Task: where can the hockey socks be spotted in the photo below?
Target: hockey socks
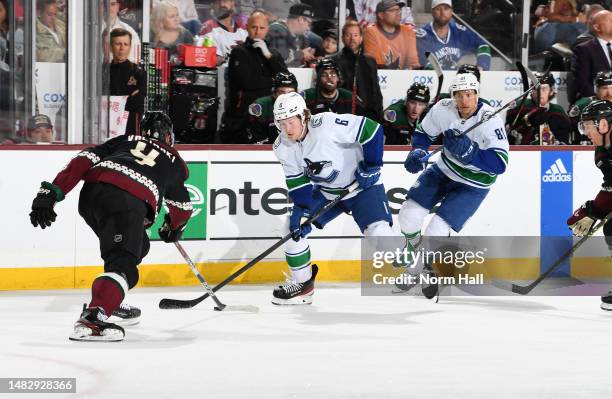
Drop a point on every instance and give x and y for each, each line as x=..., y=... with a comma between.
x=108, y=291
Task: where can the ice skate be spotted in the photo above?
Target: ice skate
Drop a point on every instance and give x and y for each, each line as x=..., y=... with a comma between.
x=294, y=293
x=125, y=315
x=606, y=301
x=429, y=289
x=93, y=326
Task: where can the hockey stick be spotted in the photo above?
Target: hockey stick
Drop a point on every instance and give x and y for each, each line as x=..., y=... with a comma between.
x=524, y=290
x=168, y=303
x=525, y=75
x=436, y=66
x=220, y=306
x=485, y=119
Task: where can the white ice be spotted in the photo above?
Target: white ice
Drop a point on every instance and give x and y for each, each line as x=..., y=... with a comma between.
x=343, y=346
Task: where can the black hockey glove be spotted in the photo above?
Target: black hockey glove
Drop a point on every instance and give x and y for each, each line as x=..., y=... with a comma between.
x=167, y=234
x=42, y=207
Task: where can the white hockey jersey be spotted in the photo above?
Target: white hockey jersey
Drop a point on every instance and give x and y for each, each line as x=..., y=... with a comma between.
x=491, y=135
x=329, y=154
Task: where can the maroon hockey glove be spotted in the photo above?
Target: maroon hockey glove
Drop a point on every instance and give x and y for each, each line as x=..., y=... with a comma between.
x=167, y=233
x=42, y=207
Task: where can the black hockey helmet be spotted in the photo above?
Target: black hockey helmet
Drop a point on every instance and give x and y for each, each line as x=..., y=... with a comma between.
x=327, y=63
x=158, y=126
x=284, y=79
x=546, y=79
x=470, y=68
x=418, y=92
x=595, y=111
x=603, y=78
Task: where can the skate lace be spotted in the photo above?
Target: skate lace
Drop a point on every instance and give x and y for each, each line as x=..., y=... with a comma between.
x=125, y=306
x=290, y=286
x=102, y=316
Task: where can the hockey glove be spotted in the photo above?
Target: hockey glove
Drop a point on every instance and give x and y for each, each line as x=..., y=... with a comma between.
x=413, y=162
x=367, y=175
x=460, y=146
x=297, y=229
x=167, y=233
x=42, y=207
x=582, y=220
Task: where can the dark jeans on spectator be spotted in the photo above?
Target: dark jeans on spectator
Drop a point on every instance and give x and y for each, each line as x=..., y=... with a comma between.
x=550, y=33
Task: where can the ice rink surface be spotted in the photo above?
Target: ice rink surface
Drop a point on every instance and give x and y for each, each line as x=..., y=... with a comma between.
x=343, y=346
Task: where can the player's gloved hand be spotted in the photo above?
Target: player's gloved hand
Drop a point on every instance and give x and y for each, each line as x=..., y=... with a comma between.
x=582, y=220
x=297, y=229
x=413, y=162
x=460, y=145
x=261, y=44
x=42, y=207
x=167, y=233
x=367, y=175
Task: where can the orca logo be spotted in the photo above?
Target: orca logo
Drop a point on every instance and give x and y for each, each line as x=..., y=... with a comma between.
x=557, y=173
x=314, y=169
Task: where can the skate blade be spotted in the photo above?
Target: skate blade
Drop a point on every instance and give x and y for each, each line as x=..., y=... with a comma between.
x=84, y=334
x=300, y=300
x=606, y=306
x=124, y=322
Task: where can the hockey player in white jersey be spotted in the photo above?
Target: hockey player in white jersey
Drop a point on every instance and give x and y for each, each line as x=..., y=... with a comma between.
x=465, y=171
x=322, y=155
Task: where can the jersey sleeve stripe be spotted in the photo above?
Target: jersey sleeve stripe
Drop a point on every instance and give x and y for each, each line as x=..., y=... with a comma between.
x=368, y=130
x=478, y=178
x=484, y=49
x=502, y=154
x=297, y=182
x=363, y=119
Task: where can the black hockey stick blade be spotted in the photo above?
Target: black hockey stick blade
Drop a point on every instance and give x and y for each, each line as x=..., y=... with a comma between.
x=168, y=303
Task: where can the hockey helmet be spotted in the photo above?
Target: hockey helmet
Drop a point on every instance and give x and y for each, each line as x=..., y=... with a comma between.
x=418, y=92
x=603, y=78
x=288, y=105
x=546, y=79
x=327, y=63
x=470, y=68
x=593, y=113
x=464, y=81
x=284, y=79
x=158, y=126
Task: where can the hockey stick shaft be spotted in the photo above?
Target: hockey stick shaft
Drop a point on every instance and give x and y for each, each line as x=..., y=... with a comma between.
x=483, y=120
x=524, y=290
x=168, y=303
x=195, y=271
x=436, y=66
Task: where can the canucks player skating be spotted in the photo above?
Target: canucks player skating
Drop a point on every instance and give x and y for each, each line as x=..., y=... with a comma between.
x=126, y=180
x=322, y=156
x=465, y=171
x=596, y=124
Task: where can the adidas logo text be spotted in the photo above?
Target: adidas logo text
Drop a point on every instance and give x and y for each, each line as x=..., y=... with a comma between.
x=557, y=173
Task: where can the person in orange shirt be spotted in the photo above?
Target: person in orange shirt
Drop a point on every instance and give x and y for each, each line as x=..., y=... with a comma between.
x=390, y=43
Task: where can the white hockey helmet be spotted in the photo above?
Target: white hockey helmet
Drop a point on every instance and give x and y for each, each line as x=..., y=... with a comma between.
x=288, y=105
x=464, y=81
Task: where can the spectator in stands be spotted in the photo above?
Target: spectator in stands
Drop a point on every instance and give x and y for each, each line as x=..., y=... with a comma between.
x=537, y=121
x=330, y=44
x=359, y=72
x=50, y=33
x=603, y=91
x=592, y=9
x=261, y=116
x=188, y=14
x=390, y=43
x=327, y=95
x=401, y=118
x=40, y=129
x=166, y=28
x=365, y=12
x=277, y=9
x=126, y=78
x=115, y=23
x=561, y=23
x=246, y=7
x=448, y=41
x=226, y=28
x=4, y=45
x=251, y=67
x=594, y=55
x=288, y=36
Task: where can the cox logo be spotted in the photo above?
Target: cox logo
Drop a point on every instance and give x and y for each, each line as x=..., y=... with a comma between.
x=426, y=80
x=513, y=81
x=495, y=103
x=382, y=79
x=54, y=97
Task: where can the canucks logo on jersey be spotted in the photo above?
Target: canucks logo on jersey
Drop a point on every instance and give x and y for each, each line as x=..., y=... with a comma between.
x=314, y=170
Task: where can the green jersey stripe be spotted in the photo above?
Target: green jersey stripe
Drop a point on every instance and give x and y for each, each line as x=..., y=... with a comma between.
x=297, y=182
x=367, y=131
x=477, y=177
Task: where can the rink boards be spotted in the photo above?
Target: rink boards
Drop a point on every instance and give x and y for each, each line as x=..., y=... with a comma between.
x=240, y=200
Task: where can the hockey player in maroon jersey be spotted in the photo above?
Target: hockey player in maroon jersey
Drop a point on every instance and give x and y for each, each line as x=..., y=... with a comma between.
x=125, y=181
x=596, y=123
